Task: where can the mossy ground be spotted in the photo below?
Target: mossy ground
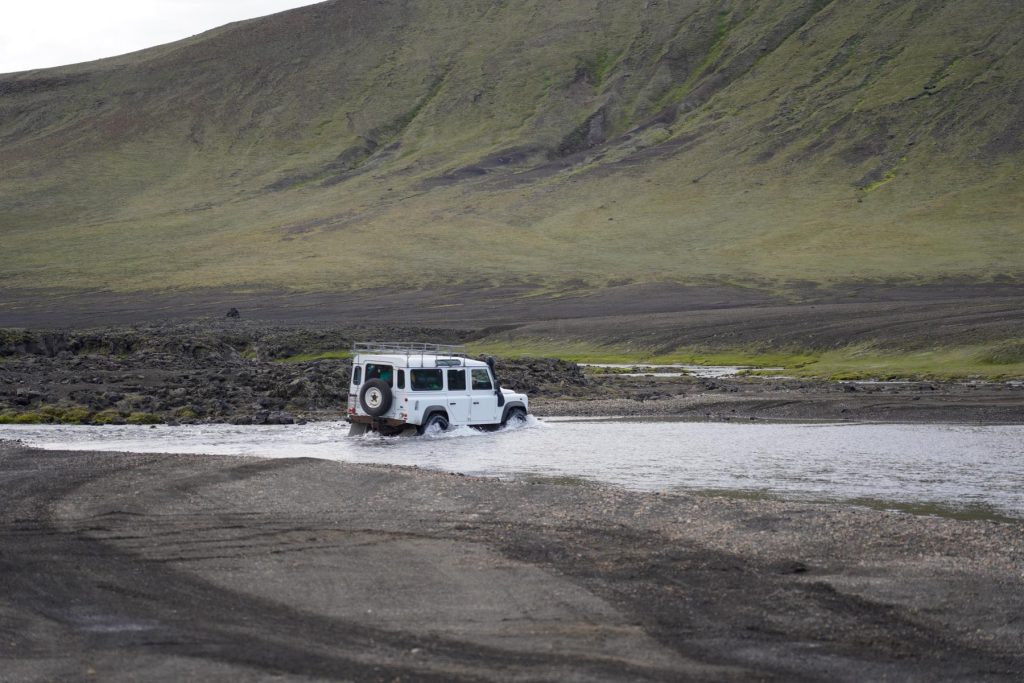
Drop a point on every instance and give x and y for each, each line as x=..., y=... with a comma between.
x=998, y=361
x=349, y=147
x=316, y=355
x=75, y=415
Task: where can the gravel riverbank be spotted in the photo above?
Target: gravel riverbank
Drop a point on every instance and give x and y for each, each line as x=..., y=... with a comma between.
x=168, y=567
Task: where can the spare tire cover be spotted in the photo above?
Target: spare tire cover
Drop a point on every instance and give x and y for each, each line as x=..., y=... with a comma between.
x=375, y=397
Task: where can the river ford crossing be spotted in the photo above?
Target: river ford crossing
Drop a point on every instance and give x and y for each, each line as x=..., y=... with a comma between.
x=977, y=469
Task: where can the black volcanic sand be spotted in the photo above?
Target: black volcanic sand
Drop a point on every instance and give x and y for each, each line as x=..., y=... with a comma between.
x=164, y=568
x=802, y=314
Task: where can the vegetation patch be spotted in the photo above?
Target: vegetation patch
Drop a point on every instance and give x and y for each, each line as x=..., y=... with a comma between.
x=108, y=417
x=48, y=414
x=588, y=352
x=143, y=419
x=1009, y=353
x=316, y=355
x=941, y=363
x=26, y=418
x=75, y=416
x=835, y=100
x=860, y=362
x=185, y=413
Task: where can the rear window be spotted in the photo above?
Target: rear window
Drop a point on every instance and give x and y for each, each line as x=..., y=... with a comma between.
x=357, y=375
x=401, y=379
x=456, y=380
x=382, y=372
x=426, y=380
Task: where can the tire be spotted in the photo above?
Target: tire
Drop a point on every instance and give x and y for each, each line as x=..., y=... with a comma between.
x=438, y=419
x=516, y=414
x=375, y=397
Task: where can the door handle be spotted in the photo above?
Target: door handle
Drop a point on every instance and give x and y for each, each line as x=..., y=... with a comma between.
x=452, y=403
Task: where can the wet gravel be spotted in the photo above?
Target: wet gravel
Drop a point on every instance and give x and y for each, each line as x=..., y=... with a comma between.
x=162, y=567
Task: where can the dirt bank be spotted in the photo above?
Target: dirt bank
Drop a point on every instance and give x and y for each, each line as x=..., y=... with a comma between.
x=159, y=568
x=206, y=371
x=249, y=373
x=762, y=398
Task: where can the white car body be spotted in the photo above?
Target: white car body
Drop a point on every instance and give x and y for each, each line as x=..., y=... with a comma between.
x=398, y=386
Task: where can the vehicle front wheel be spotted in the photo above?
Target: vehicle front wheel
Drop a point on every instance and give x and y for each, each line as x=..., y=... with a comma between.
x=515, y=417
x=435, y=423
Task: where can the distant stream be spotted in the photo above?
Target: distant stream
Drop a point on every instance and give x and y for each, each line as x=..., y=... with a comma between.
x=977, y=469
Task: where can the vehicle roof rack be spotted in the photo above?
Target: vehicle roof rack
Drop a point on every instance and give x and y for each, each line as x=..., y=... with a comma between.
x=410, y=349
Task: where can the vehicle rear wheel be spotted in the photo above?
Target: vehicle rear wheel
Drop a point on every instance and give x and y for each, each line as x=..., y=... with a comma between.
x=375, y=397
x=435, y=423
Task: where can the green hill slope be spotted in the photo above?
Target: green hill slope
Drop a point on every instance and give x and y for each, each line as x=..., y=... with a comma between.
x=355, y=144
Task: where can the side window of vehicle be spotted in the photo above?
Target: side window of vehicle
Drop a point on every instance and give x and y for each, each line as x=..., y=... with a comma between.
x=456, y=380
x=401, y=379
x=426, y=380
x=357, y=375
x=481, y=380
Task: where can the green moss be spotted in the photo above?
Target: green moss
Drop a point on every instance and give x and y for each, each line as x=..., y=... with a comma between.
x=860, y=362
x=75, y=416
x=754, y=184
x=318, y=355
x=886, y=178
x=586, y=352
x=972, y=512
x=107, y=417
x=27, y=418
x=143, y=419
x=1008, y=353
x=599, y=65
x=185, y=413
x=51, y=413
x=941, y=363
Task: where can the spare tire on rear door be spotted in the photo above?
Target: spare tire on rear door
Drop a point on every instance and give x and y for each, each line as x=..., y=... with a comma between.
x=375, y=397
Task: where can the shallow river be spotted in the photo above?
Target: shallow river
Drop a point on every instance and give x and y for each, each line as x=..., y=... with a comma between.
x=977, y=468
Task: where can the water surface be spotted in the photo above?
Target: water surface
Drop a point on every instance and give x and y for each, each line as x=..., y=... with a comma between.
x=948, y=465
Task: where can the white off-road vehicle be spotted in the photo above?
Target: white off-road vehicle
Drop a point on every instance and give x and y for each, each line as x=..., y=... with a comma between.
x=411, y=387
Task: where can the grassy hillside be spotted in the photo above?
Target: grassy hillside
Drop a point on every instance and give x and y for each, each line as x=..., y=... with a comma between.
x=360, y=143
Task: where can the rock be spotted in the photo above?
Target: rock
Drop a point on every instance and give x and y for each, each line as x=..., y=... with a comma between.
x=233, y=313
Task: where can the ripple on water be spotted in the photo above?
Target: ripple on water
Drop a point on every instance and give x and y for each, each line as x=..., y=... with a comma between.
x=956, y=466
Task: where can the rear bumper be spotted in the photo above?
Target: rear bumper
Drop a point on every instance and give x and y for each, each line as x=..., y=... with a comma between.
x=375, y=422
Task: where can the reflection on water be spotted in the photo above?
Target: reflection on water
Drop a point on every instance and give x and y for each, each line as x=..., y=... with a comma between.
x=947, y=465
